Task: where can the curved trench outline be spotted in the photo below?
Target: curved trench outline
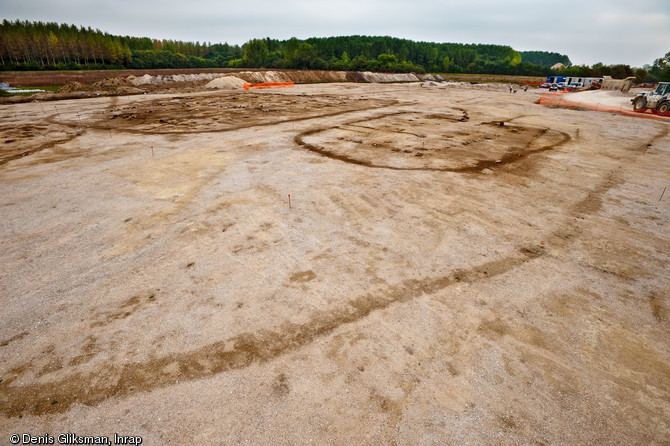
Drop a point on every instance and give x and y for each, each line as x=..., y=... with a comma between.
x=52, y=119
x=265, y=345
x=508, y=158
x=47, y=145
x=247, y=348
x=98, y=125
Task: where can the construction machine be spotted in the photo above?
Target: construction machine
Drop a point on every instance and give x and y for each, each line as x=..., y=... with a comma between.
x=658, y=101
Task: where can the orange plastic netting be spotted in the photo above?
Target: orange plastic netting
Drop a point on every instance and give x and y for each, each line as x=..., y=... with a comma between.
x=559, y=98
x=268, y=85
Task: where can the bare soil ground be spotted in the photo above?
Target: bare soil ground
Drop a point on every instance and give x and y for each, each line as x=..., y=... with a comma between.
x=458, y=266
x=59, y=78
x=44, y=78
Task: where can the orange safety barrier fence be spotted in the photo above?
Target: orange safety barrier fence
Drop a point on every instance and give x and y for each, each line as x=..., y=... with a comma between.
x=268, y=85
x=559, y=99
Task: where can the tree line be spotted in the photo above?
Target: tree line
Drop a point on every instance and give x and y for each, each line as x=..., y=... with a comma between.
x=26, y=45
x=658, y=71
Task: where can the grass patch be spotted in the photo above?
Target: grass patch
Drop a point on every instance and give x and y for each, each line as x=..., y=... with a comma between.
x=47, y=87
x=52, y=88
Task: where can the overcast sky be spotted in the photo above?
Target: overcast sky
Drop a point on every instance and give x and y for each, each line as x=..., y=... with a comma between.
x=610, y=31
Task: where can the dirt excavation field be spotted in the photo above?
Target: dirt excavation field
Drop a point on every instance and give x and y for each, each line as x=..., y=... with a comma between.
x=458, y=265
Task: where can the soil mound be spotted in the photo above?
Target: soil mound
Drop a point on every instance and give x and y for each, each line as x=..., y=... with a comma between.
x=226, y=82
x=72, y=86
x=257, y=77
x=115, y=85
x=148, y=79
x=308, y=77
x=298, y=77
x=489, y=86
x=141, y=80
x=389, y=77
x=110, y=83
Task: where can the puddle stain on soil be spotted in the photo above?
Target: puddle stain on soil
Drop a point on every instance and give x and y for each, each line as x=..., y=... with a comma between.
x=304, y=276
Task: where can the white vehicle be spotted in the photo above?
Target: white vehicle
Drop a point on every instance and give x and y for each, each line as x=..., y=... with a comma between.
x=658, y=101
x=589, y=83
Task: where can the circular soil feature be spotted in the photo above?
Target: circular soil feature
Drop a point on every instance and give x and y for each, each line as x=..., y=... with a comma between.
x=420, y=141
x=225, y=111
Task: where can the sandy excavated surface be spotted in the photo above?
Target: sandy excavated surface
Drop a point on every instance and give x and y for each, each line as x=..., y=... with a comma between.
x=605, y=97
x=459, y=266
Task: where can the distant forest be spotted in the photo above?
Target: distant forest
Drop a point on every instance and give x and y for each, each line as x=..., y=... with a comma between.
x=26, y=45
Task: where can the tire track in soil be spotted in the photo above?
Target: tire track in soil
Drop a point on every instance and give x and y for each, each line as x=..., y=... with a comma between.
x=263, y=346
x=506, y=159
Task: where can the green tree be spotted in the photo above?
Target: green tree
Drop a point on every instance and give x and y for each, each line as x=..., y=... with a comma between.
x=290, y=47
x=305, y=56
x=659, y=71
x=53, y=46
x=621, y=71
x=255, y=53
x=544, y=58
x=641, y=75
x=446, y=62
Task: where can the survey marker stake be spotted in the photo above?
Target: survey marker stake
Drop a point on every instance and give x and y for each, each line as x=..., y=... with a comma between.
x=152, y=152
x=664, y=189
x=289, y=201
